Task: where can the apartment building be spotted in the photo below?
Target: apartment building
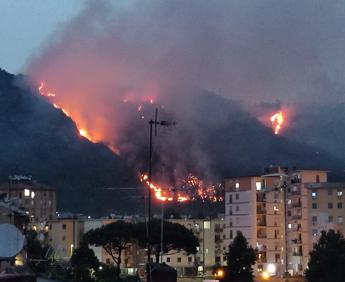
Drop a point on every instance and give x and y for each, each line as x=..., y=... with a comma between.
x=210, y=233
x=254, y=206
x=327, y=208
x=37, y=200
x=273, y=211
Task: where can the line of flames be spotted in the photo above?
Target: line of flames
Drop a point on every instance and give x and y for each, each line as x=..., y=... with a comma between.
x=161, y=194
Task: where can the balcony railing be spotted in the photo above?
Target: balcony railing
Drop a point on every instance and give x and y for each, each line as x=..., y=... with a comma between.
x=261, y=223
x=260, y=210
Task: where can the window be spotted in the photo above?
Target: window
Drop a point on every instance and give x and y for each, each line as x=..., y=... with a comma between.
x=230, y=198
x=340, y=219
x=64, y=226
x=329, y=192
x=237, y=196
x=314, y=205
x=313, y=195
x=258, y=185
x=168, y=259
x=217, y=259
x=330, y=205
x=231, y=234
x=178, y=259
x=314, y=219
x=189, y=259
x=330, y=218
x=107, y=261
x=289, y=225
x=237, y=185
x=317, y=178
x=63, y=238
x=340, y=205
x=340, y=193
x=237, y=208
x=26, y=192
x=230, y=223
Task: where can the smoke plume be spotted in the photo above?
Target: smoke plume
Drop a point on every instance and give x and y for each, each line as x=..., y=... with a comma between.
x=109, y=63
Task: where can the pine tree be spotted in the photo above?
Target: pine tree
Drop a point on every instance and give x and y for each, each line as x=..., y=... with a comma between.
x=327, y=259
x=240, y=259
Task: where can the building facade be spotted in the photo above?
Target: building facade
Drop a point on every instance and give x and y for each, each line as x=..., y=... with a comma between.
x=275, y=213
x=37, y=200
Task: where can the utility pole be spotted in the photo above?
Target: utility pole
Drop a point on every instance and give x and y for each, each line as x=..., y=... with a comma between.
x=153, y=123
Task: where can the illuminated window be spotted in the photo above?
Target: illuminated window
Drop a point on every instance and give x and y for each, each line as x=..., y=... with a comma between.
x=289, y=225
x=313, y=195
x=237, y=185
x=206, y=225
x=26, y=192
x=258, y=186
x=32, y=194
x=340, y=193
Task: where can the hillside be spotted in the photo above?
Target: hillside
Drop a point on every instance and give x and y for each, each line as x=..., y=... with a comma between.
x=214, y=137
x=39, y=140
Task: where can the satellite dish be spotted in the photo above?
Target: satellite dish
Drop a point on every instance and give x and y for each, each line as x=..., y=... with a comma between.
x=11, y=241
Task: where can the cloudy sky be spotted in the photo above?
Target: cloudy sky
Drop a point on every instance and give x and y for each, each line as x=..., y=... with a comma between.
x=269, y=49
x=25, y=24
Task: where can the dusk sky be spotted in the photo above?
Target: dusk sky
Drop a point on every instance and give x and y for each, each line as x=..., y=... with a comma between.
x=25, y=24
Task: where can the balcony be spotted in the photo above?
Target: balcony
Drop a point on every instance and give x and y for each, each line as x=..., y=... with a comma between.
x=262, y=235
x=218, y=230
x=297, y=216
x=297, y=205
x=297, y=241
x=261, y=223
x=260, y=210
x=260, y=197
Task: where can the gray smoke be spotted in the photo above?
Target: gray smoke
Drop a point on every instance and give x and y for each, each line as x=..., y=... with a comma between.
x=254, y=52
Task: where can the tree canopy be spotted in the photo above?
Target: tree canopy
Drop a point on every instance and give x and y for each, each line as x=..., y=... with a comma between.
x=113, y=238
x=83, y=261
x=240, y=260
x=175, y=237
x=327, y=259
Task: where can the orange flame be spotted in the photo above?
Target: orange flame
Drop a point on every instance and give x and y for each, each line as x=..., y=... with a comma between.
x=277, y=121
x=82, y=131
x=159, y=193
